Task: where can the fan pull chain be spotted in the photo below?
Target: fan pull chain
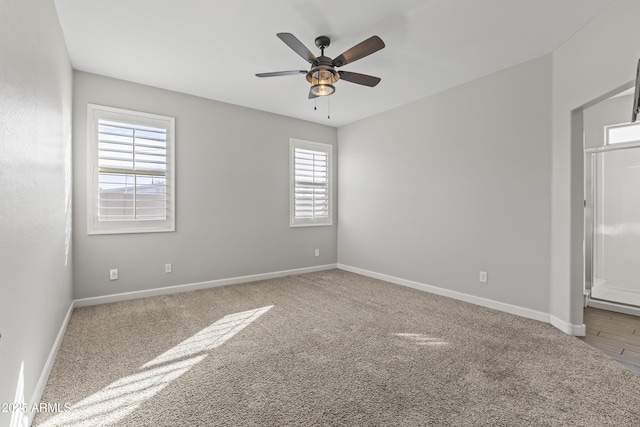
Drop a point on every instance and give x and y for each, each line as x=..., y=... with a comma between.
x=328, y=107
x=315, y=104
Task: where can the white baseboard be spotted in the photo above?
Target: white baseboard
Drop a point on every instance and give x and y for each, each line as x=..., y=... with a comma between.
x=83, y=302
x=46, y=371
x=567, y=328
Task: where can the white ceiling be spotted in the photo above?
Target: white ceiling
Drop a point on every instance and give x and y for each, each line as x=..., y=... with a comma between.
x=213, y=48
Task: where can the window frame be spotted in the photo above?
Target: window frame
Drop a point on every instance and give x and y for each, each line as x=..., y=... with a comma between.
x=96, y=112
x=609, y=128
x=314, y=146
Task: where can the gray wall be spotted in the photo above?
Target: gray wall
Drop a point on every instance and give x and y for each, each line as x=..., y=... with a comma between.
x=439, y=189
x=35, y=184
x=232, y=195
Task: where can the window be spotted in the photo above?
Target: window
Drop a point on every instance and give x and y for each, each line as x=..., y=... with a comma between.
x=131, y=171
x=622, y=134
x=311, y=183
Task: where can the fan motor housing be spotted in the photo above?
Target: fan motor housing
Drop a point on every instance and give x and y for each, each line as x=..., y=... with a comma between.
x=322, y=74
x=323, y=71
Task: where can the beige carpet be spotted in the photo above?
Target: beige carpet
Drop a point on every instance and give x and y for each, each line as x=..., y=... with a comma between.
x=329, y=348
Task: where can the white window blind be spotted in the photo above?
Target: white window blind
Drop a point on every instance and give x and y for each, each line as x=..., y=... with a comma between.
x=132, y=185
x=132, y=165
x=310, y=184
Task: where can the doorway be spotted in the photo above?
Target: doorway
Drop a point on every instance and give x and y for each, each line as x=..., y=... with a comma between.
x=612, y=220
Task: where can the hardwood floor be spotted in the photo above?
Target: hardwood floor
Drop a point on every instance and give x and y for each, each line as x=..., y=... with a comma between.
x=616, y=334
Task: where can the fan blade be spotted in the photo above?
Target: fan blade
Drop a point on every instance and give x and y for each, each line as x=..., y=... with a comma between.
x=311, y=94
x=359, y=51
x=361, y=79
x=281, y=73
x=297, y=46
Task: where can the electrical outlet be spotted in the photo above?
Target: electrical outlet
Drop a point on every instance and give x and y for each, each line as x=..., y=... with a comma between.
x=113, y=274
x=317, y=252
x=167, y=268
x=484, y=277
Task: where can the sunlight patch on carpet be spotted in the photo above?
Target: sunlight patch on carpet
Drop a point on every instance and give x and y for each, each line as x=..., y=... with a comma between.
x=421, y=339
x=123, y=396
x=211, y=337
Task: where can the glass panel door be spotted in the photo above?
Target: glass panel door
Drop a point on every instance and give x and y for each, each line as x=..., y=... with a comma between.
x=615, y=264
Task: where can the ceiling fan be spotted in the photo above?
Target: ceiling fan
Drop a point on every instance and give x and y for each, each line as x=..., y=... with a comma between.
x=323, y=74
